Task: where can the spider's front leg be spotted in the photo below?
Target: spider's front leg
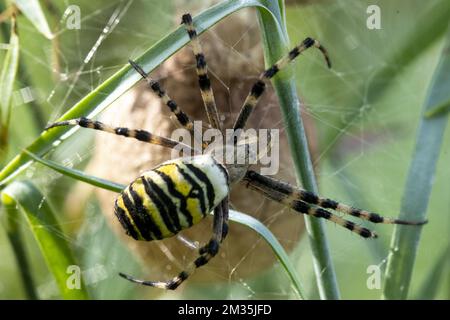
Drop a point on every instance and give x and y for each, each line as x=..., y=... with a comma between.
x=259, y=87
x=138, y=134
x=181, y=116
x=202, y=72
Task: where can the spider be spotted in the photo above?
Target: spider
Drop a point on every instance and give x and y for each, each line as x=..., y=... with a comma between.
x=179, y=193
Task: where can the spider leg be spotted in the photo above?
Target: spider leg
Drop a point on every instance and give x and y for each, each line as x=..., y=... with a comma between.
x=207, y=253
x=259, y=86
x=140, y=135
x=225, y=210
x=306, y=208
x=216, y=226
x=181, y=116
x=202, y=72
x=293, y=193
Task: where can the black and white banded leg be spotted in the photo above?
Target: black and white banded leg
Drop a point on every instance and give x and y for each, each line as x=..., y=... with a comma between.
x=202, y=72
x=181, y=116
x=216, y=226
x=258, y=88
x=138, y=134
x=206, y=253
x=307, y=202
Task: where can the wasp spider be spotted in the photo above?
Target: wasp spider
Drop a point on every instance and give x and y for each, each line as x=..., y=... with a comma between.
x=179, y=193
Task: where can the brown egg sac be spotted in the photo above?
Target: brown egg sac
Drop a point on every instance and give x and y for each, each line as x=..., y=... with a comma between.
x=234, y=58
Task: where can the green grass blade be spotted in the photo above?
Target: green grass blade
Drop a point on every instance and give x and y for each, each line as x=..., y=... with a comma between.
x=124, y=79
x=272, y=241
x=78, y=175
x=276, y=45
x=442, y=108
x=47, y=232
x=418, y=39
x=12, y=227
x=436, y=277
x=405, y=240
x=235, y=216
x=7, y=78
x=33, y=11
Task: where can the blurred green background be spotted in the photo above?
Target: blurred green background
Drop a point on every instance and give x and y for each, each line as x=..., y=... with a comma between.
x=366, y=124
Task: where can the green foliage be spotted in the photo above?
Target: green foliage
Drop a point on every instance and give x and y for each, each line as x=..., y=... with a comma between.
x=365, y=111
x=34, y=13
x=46, y=230
x=7, y=78
x=12, y=227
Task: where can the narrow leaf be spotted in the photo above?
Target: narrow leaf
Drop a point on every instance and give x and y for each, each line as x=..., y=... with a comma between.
x=436, y=277
x=7, y=78
x=12, y=227
x=48, y=234
x=437, y=110
x=406, y=51
x=33, y=11
x=77, y=174
x=272, y=241
x=405, y=241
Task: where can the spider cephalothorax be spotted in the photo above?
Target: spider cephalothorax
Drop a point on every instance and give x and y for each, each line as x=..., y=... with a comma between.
x=179, y=193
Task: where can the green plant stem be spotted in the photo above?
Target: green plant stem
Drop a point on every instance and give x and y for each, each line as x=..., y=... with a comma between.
x=15, y=238
x=275, y=46
x=405, y=240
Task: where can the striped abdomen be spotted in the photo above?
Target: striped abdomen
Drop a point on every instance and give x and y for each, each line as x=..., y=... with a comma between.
x=171, y=197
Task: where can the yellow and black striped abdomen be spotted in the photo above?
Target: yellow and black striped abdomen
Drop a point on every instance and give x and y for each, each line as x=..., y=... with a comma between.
x=171, y=197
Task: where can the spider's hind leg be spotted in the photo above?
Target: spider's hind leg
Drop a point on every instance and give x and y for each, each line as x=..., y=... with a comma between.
x=292, y=194
x=206, y=253
x=306, y=208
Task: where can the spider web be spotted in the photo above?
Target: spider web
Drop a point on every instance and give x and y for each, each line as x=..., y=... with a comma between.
x=361, y=152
